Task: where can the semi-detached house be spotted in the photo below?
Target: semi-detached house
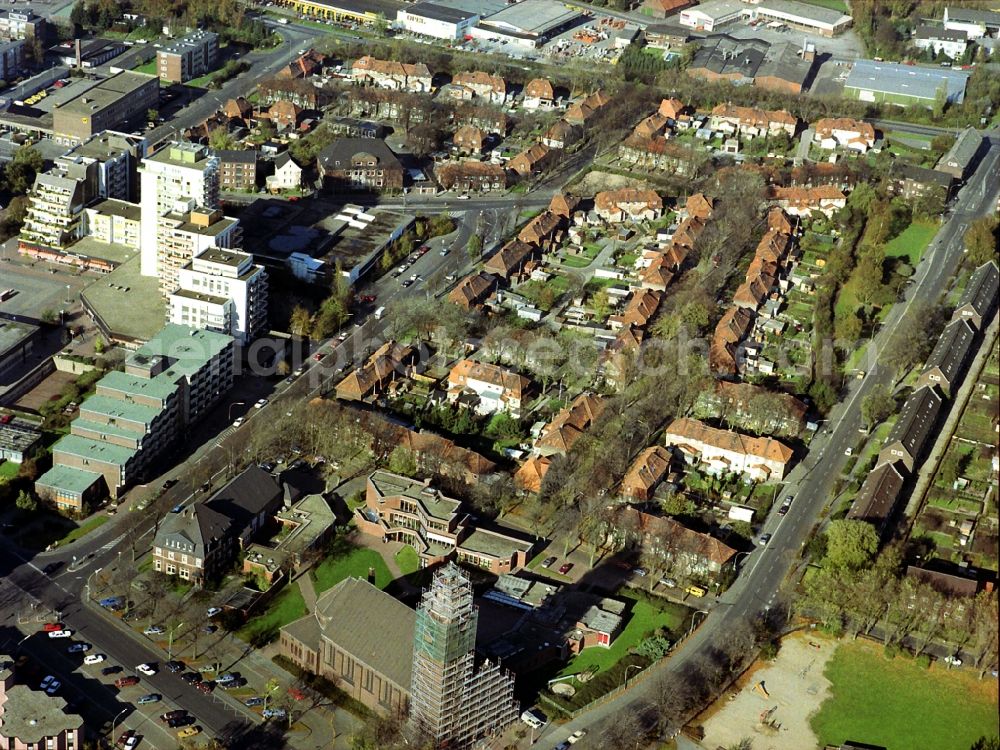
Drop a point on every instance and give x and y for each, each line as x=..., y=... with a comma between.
x=495, y=389
x=723, y=451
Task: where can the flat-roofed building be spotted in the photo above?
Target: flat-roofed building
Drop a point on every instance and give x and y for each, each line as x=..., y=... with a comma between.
x=114, y=222
x=368, y=12
x=168, y=384
x=115, y=103
x=714, y=14
x=22, y=23
x=814, y=19
x=180, y=237
x=32, y=719
x=438, y=21
x=905, y=85
x=190, y=57
x=18, y=438
x=237, y=169
x=529, y=23
x=221, y=290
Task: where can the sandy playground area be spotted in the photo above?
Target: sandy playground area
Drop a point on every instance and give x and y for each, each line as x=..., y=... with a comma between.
x=794, y=686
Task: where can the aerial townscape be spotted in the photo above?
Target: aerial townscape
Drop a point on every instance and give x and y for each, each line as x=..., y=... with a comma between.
x=499, y=374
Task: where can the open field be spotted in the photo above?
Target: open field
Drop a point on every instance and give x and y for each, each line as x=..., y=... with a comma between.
x=912, y=241
x=355, y=563
x=900, y=705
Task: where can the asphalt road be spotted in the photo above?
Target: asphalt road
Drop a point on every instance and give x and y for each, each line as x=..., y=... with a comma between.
x=765, y=570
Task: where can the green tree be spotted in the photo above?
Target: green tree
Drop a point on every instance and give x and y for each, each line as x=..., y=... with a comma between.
x=601, y=303
x=475, y=247
x=677, y=504
x=877, y=405
x=403, y=461
x=220, y=139
x=850, y=545
x=26, y=501
x=19, y=174
x=152, y=115
x=300, y=321
x=981, y=240
x=940, y=101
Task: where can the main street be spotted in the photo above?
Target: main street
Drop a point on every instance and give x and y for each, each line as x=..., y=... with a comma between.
x=765, y=571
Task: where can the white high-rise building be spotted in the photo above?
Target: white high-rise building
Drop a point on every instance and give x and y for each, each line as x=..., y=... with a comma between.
x=174, y=176
x=221, y=290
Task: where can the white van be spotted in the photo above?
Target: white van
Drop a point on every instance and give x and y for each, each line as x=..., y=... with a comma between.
x=379, y=313
x=534, y=718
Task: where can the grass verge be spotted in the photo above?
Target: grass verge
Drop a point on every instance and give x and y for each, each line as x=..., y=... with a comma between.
x=82, y=530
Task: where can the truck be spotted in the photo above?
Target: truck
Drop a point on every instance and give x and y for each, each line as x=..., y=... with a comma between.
x=379, y=313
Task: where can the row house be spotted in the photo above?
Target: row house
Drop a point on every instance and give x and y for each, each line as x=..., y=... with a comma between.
x=309, y=63
x=561, y=135
x=803, y=201
x=541, y=231
x=539, y=93
x=483, y=85
x=658, y=154
x=469, y=139
x=388, y=363
x=732, y=328
x=512, y=261
x=492, y=388
x=650, y=127
x=687, y=552
x=762, y=275
x=471, y=176
x=750, y=121
x=639, y=310
x=844, y=132
x=490, y=119
x=633, y=204
x=564, y=205
x=645, y=474
x=980, y=296
x=724, y=451
x=388, y=74
x=532, y=160
x=672, y=109
x=568, y=426
x=583, y=111
x=295, y=90
x=473, y=291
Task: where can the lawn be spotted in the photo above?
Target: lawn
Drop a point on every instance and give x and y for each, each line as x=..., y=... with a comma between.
x=912, y=241
x=82, y=530
x=355, y=563
x=900, y=705
x=148, y=68
x=285, y=608
x=645, y=619
x=575, y=261
x=9, y=469
x=408, y=560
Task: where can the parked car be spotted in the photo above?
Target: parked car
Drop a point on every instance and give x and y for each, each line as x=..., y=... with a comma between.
x=188, y=732
x=253, y=701
x=225, y=679
x=641, y=572
x=113, y=669
x=112, y=601
x=60, y=633
x=153, y=630
x=78, y=648
x=93, y=658
x=548, y=562
x=176, y=714
x=238, y=421
x=205, y=686
x=177, y=508
x=147, y=669
x=46, y=681
x=180, y=721
x=132, y=742
x=668, y=582
x=149, y=698
x=565, y=568
x=274, y=713
x=191, y=677
x=169, y=483
x=52, y=627
x=953, y=661
x=764, y=539
x=127, y=735
x=126, y=681
x=174, y=666
x=213, y=611
x=261, y=403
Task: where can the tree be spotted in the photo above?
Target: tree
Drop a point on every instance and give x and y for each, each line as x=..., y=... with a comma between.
x=601, y=303
x=940, y=101
x=78, y=16
x=877, y=405
x=403, y=461
x=475, y=247
x=220, y=139
x=19, y=175
x=850, y=545
x=26, y=501
x=981, y=240
x=300, y=321
x=677, y=504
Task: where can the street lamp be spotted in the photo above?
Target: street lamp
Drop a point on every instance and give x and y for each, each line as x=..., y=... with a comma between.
x=630, y=666
x=694, y=620
x=170, y=640
x=115, y=721
x=235, y=403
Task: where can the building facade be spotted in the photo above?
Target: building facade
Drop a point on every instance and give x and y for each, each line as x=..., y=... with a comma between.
x=237, y=170
x=116, y=103
x=180, y=237
x=187, y=58
x=221, y=290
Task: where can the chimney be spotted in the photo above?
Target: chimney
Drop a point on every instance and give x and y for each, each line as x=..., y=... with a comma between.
x=78, y=48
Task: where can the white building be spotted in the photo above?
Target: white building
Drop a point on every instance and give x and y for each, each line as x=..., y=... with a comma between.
x=803, y=16
x=287, y=174
x=949, y=42
x=723, y=452
x=179, y=173
x=438, y=21
x=713, y=14
x=495, y=388
x=975, y=23
x=116, y=222
x=223, y=291
x=181, y=235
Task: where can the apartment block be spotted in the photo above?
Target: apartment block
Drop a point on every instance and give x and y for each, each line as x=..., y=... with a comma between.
x=221, y=290
x=116, y=102
x=22, y=23
x=12, y=58
x=180, y=236
x=135, y=415
x=114, y=222
x=187, y=58
x=54, y=217
x=33, y=719
x=175, y=175
x=237, y=170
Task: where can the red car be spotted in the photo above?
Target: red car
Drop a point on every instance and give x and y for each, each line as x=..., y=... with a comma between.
x=293, y=199
x=205, y=686
x=423, y=249
x=367, y=298
x=565, y=568
x=297, y=694
x=317, y=356
x=51, y=627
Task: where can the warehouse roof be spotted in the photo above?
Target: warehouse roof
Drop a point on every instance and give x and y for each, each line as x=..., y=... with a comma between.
x=907, y=80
